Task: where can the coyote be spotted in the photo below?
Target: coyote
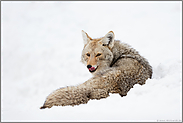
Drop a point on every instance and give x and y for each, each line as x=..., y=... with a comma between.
x=116, y=68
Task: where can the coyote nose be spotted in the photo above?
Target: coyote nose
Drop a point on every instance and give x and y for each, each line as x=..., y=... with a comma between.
x=89, y=66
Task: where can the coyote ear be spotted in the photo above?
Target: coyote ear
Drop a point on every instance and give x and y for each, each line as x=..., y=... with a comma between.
x=108, y=39
x=86, y=38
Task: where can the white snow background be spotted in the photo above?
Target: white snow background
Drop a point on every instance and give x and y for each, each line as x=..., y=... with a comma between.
x=41, y=46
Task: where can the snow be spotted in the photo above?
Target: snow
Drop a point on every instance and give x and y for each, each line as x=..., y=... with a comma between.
x=41, y=45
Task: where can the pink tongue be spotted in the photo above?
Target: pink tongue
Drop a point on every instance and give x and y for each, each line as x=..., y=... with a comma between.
x=92, y=69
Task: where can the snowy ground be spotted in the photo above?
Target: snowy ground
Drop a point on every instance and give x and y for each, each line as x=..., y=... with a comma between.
x=41, y=46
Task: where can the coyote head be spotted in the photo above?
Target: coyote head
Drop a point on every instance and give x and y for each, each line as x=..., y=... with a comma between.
x=97, y=54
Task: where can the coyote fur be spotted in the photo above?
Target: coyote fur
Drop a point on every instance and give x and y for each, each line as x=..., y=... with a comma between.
x=116, y=68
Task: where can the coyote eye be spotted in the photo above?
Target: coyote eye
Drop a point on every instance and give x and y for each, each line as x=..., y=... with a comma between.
x=88, y=54
x=98, y=54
